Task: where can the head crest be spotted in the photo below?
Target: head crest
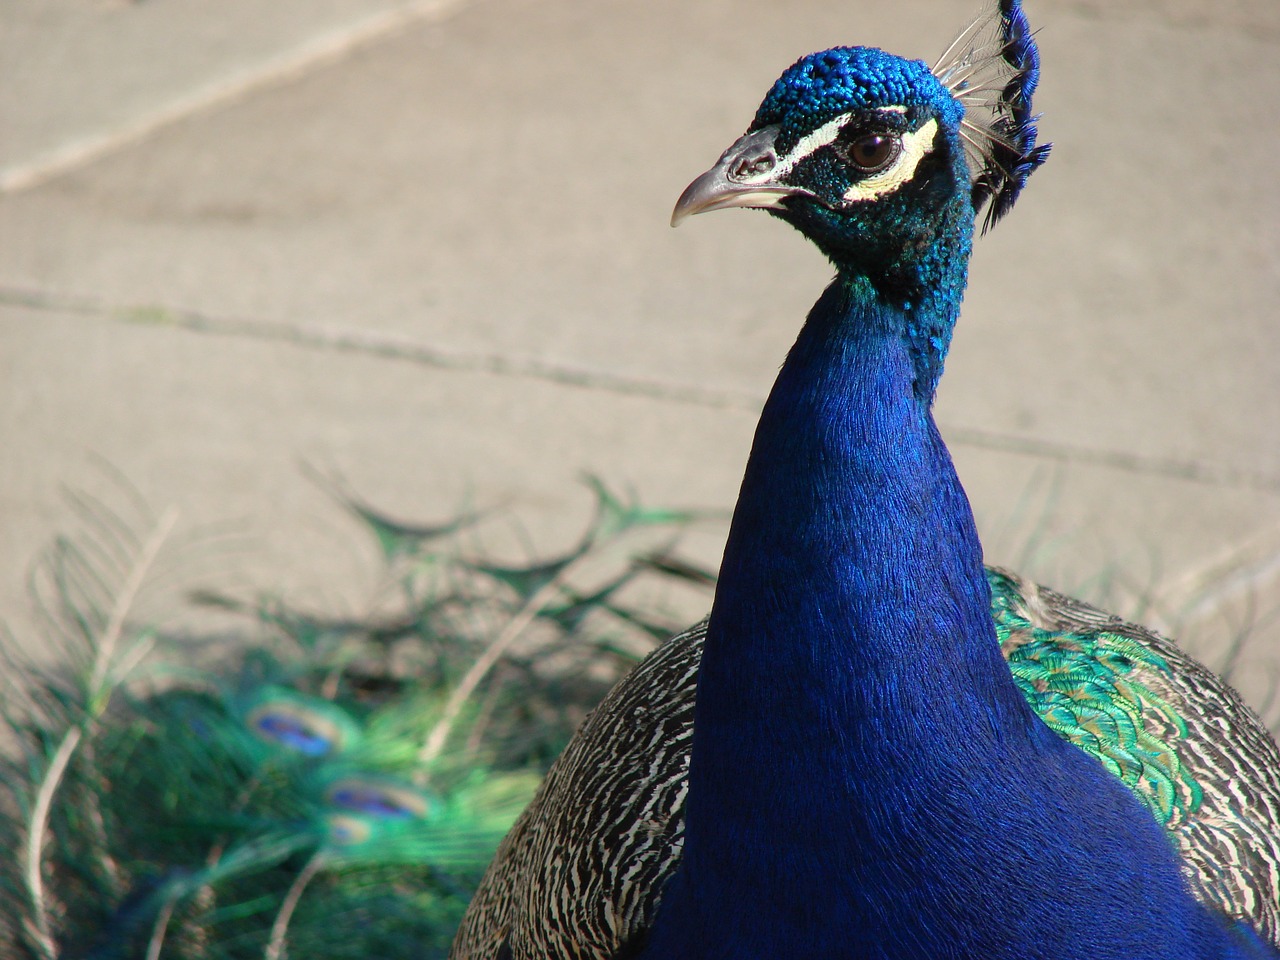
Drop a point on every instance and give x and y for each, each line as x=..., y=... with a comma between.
x=993, y=68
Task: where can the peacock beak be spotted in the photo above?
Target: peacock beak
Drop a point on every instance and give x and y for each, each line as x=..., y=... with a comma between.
x=744, y=176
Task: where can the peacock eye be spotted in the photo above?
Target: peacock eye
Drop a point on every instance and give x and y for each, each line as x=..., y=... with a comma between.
x=873, y=152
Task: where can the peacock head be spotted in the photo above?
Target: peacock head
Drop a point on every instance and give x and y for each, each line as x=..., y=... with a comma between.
x=882, y=161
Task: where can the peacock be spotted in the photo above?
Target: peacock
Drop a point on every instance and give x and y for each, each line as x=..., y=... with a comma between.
x=875, y=746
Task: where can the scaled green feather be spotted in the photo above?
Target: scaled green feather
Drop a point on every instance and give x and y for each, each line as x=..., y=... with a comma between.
x=1088, y=688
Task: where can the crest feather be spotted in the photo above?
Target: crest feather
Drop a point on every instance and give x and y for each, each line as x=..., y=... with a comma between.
x=992, y=68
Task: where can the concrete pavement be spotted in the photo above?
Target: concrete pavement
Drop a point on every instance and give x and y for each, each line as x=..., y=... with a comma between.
x=424, y=245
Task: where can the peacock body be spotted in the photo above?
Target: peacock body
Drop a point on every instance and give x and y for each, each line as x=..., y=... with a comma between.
x=874, y=747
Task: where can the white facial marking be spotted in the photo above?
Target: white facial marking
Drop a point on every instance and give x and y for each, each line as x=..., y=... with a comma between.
x=805, y=146
x=914, y=147
x=810, y=144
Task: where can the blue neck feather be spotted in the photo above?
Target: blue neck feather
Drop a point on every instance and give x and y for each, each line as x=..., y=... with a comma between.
x=867, y=781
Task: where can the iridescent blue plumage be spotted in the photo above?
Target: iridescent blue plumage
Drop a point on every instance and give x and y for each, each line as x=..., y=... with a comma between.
x=867, y=777
x=825, y=84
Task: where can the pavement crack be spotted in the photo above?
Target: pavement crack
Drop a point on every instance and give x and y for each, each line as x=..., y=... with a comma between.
x=1196, y=471
x=346, y=340
x=386, y=346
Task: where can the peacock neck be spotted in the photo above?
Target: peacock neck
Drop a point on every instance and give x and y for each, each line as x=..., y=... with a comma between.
x=852, y=557
x=850, y=642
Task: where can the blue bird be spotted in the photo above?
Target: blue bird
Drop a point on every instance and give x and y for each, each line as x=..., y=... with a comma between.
x=875, y=747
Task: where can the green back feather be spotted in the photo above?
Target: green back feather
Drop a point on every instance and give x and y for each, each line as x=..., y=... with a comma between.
x=1090, y=689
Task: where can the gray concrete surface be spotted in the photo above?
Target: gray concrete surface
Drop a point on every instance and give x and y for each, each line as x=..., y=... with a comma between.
x=424, y=246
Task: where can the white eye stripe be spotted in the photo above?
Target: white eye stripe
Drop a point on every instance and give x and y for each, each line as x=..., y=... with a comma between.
x=810, y=144
x=826, y=134
x=914, y=146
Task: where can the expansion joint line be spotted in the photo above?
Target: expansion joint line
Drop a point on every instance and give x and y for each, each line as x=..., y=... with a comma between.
x=347, y=340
